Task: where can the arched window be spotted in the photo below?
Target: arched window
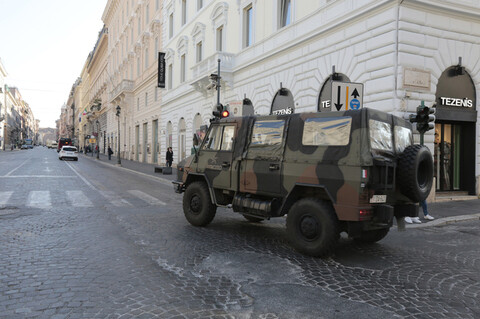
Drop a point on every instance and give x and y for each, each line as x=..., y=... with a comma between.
x=283, y=102
x=325, y=98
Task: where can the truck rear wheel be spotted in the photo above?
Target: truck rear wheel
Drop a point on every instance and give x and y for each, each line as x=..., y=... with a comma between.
x=197, y=206
x=312, y=227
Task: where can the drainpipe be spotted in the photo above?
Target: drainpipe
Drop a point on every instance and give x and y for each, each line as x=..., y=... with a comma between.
x=397, y=22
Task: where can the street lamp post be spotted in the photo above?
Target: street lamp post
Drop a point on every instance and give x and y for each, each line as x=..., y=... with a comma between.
x=98, y=147
x=118, y=146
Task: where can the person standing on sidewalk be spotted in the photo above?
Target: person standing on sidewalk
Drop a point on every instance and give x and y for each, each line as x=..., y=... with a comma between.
x=426, y=215
x=110, y=152
x=169, y=157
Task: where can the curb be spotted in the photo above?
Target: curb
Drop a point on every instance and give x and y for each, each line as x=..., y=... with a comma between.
x=159, y=179
x=445, y=221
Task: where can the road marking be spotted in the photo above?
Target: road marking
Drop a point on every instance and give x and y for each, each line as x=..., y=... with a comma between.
x=78, y=199
x=144, y=196
x=115, y=199
x=13, y=170
x=4, y=197
x=40, y=199
x=41, y=176
x=81, y=177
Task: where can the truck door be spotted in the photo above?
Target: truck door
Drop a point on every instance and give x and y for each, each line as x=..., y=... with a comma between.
x=260, y=171
x=217, y=154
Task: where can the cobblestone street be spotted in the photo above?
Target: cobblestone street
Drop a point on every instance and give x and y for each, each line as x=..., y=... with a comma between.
x=136, y=257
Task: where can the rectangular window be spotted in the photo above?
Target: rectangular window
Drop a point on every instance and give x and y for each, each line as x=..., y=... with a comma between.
x=139, y=25
x=403, y=138
x=182, y=68
x=247, y=26
x=156, y=48
x=146, y=58
x=199, y=4
x=147, y=14
x=138, y=103
x=380, y=135
x=327, y=131
x=131, y=35
x=199, y=51
x=138, y=66
x=220, y=138
x=184, y=12
x=266, y=133
x=157, y=5
x=156, y=93
x=146, y=99
x=284, y=13
x=170, y=76
x=170, y=26
x=220, y=38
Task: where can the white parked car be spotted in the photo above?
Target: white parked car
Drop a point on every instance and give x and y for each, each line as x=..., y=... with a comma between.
x=68, y=151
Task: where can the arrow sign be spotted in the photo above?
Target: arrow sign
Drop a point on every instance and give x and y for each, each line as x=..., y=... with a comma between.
x=355, y=93
x=338, y=105
x=343, y=99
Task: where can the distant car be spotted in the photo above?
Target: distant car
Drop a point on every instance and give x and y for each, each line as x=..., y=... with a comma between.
x=68, y=152
x=24, y=147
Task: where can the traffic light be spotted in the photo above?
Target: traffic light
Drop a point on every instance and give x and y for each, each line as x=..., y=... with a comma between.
x=424, y=118
x=218, y=111
x=221, y=112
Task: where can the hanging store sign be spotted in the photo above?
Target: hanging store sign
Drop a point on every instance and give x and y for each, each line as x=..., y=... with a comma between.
x=161, y=69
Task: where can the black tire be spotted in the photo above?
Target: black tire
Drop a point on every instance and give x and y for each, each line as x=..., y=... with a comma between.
x=415, y=172
x=59, y=158
x=253, y=219
x=372, y=236
x=197, y=206
x=312, y=227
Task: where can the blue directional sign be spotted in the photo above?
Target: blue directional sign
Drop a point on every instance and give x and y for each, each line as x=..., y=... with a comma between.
x=354, y=104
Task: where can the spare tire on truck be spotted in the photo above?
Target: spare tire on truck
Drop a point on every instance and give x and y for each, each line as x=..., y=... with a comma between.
x=415, y=172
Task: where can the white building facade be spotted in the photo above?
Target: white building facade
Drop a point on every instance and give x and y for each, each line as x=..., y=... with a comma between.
x=134, y=40
x=284, y=53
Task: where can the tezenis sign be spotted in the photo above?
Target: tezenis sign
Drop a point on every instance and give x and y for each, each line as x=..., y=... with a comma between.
x=448, y=101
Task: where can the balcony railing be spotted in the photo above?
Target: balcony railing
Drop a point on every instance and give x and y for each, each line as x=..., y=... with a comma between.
x=125, y=86
x=210, y=65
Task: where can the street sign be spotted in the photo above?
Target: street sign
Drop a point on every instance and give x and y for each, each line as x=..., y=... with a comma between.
x=347, y=96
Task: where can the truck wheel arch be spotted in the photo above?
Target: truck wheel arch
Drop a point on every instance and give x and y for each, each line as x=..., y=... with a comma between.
x=200, y=178
x=300, y=191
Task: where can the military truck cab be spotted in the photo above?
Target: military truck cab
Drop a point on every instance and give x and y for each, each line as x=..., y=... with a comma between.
x=330, y=172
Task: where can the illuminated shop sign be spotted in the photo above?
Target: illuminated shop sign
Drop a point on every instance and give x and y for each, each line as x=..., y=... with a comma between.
x=448, y=101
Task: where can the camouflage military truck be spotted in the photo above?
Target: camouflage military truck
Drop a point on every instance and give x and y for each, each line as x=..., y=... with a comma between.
x=329, y=172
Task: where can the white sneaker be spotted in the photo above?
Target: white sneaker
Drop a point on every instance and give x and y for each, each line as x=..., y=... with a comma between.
x=408, y=220
x=429, y=217
x=416, y=220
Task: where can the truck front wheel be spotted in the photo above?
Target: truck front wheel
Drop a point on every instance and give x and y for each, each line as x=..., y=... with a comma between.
x=312, y=227
x=197, y=206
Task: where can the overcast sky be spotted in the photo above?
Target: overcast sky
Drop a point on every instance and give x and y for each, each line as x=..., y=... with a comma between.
x=44, y=45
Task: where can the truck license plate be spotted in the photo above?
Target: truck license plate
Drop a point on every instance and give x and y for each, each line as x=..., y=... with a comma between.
x=378, y=199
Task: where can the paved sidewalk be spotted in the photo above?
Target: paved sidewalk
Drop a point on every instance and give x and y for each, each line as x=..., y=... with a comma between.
x=144, y=168
x=445, y=212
